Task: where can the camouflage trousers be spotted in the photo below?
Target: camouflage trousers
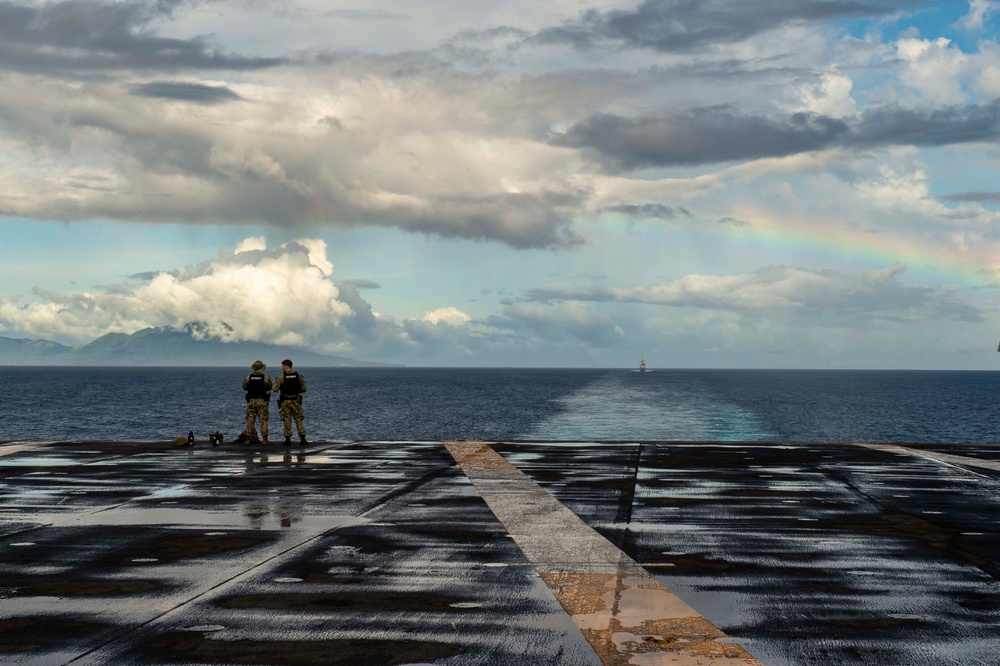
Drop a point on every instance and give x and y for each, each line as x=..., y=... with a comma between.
x=292, y=409
x=257, y=409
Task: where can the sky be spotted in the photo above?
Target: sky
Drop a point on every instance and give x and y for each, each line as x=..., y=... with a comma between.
x=571, y=183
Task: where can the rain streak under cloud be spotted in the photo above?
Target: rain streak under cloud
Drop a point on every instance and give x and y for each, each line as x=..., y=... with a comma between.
x=565, y=183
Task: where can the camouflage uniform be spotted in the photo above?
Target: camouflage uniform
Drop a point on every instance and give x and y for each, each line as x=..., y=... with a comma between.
x=257, y=408
x=291, y=407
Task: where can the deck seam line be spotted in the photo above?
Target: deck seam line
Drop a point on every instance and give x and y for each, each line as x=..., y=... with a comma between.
x=626, y=615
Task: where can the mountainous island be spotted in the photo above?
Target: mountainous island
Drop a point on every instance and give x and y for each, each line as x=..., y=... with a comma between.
x=164, y=346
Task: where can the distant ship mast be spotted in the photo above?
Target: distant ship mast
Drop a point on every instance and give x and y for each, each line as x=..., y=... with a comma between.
x=642, y=365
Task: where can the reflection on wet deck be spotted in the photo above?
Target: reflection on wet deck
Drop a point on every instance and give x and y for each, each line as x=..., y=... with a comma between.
x=561, y=553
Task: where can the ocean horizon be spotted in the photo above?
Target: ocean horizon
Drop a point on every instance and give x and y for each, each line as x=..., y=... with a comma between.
x=557, y=404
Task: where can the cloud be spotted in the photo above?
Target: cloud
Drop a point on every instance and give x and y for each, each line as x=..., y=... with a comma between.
x=698, y=136
x=720, y=133
x=185, y=92
x=972, y=197
x=572, y=320
x=829, y=96
x=373, y=142
x=933, y=68
x=979, y=11
x=450, y=316
x=251, y=294
x=281, y=295
x=652, y=211
x=96, y=36
x=680, y=26
x=876, y=295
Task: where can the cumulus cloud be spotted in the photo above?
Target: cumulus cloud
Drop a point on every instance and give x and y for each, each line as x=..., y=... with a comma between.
x=285, y=295
x=933, y=68
x=277, y=295
x=450, y=316
x=829, y=96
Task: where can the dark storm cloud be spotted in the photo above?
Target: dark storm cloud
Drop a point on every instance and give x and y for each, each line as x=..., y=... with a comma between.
x=928, y=127
x=185, y=92
x=720, y=134
x=972, y=197
x=686, y=25
x=91, y=35
x=698, y=136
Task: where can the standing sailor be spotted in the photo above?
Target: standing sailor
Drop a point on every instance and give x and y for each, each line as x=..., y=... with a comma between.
x=258, y=388
x=292, y=385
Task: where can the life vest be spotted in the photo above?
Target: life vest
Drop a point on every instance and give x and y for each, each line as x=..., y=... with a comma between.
x=257, y=388
x=290, y=385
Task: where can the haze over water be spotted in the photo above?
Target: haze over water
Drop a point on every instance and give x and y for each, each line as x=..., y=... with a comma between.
x=545, y=404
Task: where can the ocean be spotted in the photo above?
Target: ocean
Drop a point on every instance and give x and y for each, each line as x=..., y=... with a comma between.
x=47, y=403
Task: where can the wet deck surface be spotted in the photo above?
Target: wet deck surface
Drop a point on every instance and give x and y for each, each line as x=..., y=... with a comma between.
x=386, y=553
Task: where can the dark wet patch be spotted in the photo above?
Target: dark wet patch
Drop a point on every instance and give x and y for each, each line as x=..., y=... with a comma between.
x=980, y=602
x=658, y=502
x=760, y=492
x=369, y=602
x=606, y=484
x=908, y=526
x=327, y=577
x=797, y=556
x=88, y=588
x=186, y=647
x=829, y=588
x=692, y=565
x=881, y=623
x=27, y=634
x=181, y=547
x=454, y=535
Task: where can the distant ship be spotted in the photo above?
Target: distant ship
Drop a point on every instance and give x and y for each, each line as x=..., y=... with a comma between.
x=642, y=365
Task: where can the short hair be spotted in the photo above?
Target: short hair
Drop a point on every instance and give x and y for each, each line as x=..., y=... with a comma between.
x=287, y=362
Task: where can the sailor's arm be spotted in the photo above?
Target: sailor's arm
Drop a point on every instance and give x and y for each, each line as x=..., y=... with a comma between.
x=302, y=383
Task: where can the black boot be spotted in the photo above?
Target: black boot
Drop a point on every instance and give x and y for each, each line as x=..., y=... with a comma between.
x=288, y=441
x=302, y=440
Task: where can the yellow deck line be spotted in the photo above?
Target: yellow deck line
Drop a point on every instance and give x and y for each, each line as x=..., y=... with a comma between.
x=934, y=455
x=625, y=614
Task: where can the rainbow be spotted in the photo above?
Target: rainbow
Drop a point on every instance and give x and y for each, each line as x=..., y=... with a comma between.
x=922, y=254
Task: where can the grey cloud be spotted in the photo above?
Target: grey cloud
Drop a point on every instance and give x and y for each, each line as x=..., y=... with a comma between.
x=928, y=127
x=972, y=197
x=698, y=136
x=91, y=35
x=687, y=25
x=719, y=134
x=366, y=15
x=185, y=92
x=649, y=211
x=360, y=284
